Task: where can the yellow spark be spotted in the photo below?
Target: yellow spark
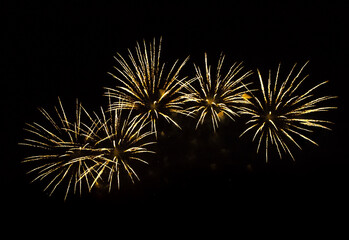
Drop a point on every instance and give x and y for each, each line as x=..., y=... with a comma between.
x=153, y=105
x=269, y=116
x=162, y=92
x=246, y=96
x=221, y=115
x=210, y=101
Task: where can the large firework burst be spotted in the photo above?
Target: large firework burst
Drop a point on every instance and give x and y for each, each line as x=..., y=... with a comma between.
x=146, y=87
x=281, y=113
x=79, y=152
x=217, y=95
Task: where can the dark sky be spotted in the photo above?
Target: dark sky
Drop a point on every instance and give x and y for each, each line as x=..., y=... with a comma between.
x=66, y=50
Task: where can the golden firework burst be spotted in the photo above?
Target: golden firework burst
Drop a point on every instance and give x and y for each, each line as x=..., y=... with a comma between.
x=144, y=86
x=65, y=149
x=122, y=143
x=282, y=112
x=76, y=152
x=216, y=96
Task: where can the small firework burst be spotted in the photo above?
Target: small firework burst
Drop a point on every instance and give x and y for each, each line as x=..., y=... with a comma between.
x=121, y=143
x=146, y=87
x=76, y=153
x=217, y=95
x=281, y=113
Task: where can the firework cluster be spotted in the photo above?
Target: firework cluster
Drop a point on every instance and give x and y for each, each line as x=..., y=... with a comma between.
x=102, y=147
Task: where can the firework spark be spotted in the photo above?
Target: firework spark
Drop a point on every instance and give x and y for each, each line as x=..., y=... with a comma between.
x=146, y=87
x=217, y=96
x=79, y=152
x=281, y=113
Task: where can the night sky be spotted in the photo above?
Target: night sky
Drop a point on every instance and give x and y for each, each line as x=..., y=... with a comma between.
x=61, y=50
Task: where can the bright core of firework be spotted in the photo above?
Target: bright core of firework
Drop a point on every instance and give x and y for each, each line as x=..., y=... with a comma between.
x=146, y=87
x=281, y=112
x=85, y=150
x=216, y=96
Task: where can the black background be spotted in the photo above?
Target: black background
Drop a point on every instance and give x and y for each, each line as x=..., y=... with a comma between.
x=66, y=50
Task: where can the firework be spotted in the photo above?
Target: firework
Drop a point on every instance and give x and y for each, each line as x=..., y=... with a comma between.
x=65, y=149
x=146, y=87
x=79, y=152
x=122, y=143
x=217, y=95
x=282, y=112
